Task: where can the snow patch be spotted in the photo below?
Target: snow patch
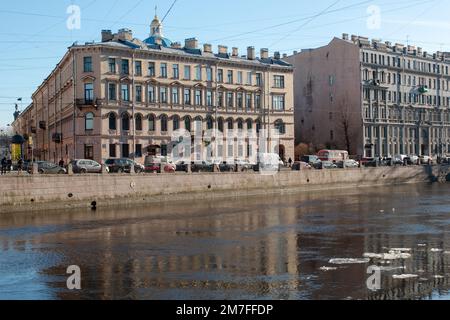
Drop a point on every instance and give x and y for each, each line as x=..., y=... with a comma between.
x=348, y=261
x=405, y=276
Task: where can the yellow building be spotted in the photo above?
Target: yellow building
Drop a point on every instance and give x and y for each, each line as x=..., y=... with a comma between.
x=123, y=97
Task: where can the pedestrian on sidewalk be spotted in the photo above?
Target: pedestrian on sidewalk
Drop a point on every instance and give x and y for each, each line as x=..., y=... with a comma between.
x=61, y=163
x=290, y=162
x=3, y=169
x=19, y=166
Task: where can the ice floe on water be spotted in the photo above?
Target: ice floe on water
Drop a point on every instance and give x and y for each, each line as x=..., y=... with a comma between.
x=439, y=277
x=327, y=268
x=348, y=261
x=446, y=252
x=382, y=268
x=405, y=276
x=421, y=245
x=392, y=255
x=436, y=250
x=401, y=250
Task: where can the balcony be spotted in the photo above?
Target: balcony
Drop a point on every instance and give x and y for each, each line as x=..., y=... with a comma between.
x=83, y=103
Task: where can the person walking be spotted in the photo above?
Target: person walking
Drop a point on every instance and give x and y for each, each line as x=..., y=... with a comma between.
x=19, y=166
x=290, y=162
x=61, y=163
x=3, y=169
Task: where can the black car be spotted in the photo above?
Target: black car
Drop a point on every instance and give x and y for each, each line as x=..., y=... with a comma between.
x=227, y=167
x=123, y=165
x=202, y=166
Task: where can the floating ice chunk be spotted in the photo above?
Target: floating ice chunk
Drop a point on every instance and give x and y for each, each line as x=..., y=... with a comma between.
x=391, y=268
x=404, y=276
x=327, y=268
x=439, y=277
x=373, y=255
x=401, y=249
x=392, y=255
x=348, y=261
x=446, y=252
x=436, y=250
x=421, y=245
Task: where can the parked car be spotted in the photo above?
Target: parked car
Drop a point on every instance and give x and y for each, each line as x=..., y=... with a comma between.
x=202, y=166
x=86, y=166
x=227, y=167
x=426, y=160
x=45, y=167
x=413, y=159
x=328, y=165
x=154, y=163
x=369, y=162
x=348, y=164
x=124, y=165
x=244, y=164
x=181, y=166
x=300, y=165
x=399, y=159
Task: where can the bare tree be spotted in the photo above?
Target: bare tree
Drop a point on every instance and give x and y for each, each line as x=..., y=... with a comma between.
x=346, y=125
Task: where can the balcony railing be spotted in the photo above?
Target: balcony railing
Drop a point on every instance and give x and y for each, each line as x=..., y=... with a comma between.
x=83, y=103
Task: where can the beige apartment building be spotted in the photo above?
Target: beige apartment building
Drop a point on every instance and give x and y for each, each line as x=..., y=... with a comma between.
x=373, y=98
x=123, y=97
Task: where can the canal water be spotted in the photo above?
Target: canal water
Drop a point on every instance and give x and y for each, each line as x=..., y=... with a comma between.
x=307, y=246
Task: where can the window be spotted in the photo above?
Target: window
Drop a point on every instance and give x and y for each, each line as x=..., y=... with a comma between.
x=176, y=123
x=258, y=101
x=248, y=102
x=125, y=66
x=112, y=121
x=151, y=94
x=125, y=92
x=176, y=71
x=198, y=73
x=163, y=70
x=240, y=124
x=230, y=99
x=151, y=69
x=240, y=77
x=278, y=102
x=220, y=99
x=220, y=124
x=164, y=150
x=249, y=78
x=187, y=73
x=112, y=92
x=230, y=124
x=88, y=152
x=138, y=122
x=209, y=98
x=249, y=124
x=151, y=123
x=89, y=121
x=230, y=76
x=209, y=123
x=87, y=63
x=187, y=96
x=198, y=97
x=125, y=122
x=280, y=126
x=258, y=126
x=89, y=92
x=163, y=94
x=138, y=68
x=209, y=76
x=125, y=150
x=240, y=100
x=112, y=65
x=138, y=151
x=138, y=93
x=278, y=81
x=259, y=79
x=164, y=123
x=220, y=76
x=112, y=151
x=175, y=96
x=187, y=123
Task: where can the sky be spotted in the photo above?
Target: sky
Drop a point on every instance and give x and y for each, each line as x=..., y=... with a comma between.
x=36, y=34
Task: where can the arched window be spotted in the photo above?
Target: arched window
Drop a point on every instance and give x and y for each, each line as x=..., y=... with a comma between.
x=230, y=124
x=164, y=125
x=112, y=121
x=209, y=123
x=138, y=122
x=89, y=121
x=249, y=124
x=280, y=126
x=176, y=123
x=125, y=122
x=187, y=123
x=220, y=124
x=151, y=123
x=240, y=124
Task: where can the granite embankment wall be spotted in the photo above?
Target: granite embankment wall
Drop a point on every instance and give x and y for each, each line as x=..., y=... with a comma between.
x=40, y=192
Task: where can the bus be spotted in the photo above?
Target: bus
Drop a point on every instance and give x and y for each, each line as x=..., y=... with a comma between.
x=333, y=155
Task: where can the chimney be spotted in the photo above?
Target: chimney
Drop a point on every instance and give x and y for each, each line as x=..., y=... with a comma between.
x=388, y=44
x=125, y=35
x=295, y=53
x=285, y=55
x=419, y=51
x=251, y=54
x=345, y=36
x=277, y=55
x=191, y=43
x=223, y=49
x=235, y=52
x=107, y=35
x=176, y=45
x=264, y=53
x=207, y=48
x=354, y=38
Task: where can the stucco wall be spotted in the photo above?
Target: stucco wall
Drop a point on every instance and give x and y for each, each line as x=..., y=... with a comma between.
x=57, y=192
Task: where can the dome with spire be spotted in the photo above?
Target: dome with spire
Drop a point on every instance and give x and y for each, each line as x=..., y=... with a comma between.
x=156, y=33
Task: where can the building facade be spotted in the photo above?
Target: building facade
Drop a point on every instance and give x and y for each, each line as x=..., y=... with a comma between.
x=123, y=97
x=372, y=98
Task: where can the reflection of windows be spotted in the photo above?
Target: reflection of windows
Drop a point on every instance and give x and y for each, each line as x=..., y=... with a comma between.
x=125, y=66
x=125, y=92
x=209, y=98
x=198, y=97
x=175, y=96
x=87, y=61
x=112, y=65
x=89, y=92
x=151, y=69
x=89, y=121
x=138, y=93
x=112, y=94
x=163, y=70
x=163, y=94
x=280, y=126
x=151, y=94
x=278, y=102
x=278, y=81
x=187, y=96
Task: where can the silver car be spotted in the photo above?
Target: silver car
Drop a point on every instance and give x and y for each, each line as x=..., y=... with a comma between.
x=86, y=166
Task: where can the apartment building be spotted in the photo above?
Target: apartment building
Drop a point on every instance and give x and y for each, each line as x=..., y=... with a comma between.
x=372, y=98
x=124, y=97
